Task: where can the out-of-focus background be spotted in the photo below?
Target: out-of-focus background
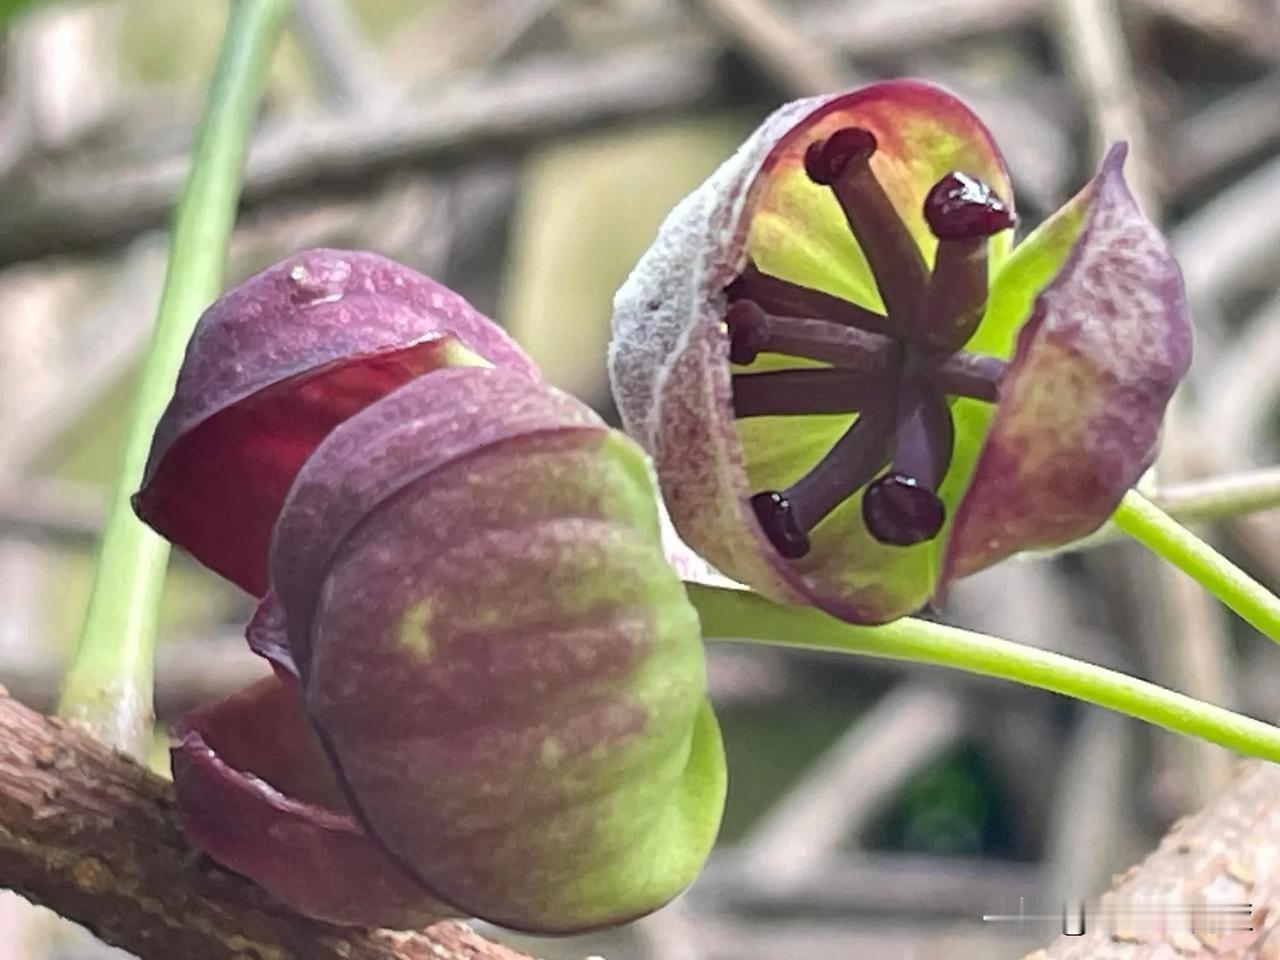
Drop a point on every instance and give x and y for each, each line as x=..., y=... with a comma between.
x=523, y=152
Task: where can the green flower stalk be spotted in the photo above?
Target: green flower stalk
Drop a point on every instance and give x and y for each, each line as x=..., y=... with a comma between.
x=856, y=389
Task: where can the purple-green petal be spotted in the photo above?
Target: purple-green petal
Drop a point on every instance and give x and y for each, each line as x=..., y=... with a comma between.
x=254, y=790
x=506, y=672
x=1080, y=408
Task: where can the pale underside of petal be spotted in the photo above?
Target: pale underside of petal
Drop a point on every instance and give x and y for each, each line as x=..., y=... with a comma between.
x=1081, y=404
x=678, y=283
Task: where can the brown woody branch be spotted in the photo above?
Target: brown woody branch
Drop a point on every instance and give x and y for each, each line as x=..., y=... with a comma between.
x=1225, y=854
x=93, y=836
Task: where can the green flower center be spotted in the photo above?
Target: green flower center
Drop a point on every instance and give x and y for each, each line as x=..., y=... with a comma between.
x=894, y=370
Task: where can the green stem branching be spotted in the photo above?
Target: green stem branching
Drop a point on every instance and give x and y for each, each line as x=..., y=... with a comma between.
x=1162, y=535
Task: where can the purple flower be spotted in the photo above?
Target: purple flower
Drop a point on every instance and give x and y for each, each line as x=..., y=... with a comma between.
x=489, y=696
x=855, y=388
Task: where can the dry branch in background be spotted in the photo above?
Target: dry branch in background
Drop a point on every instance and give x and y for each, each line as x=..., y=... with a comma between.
x=92, y=200
x=93, y=836
x=798, y=65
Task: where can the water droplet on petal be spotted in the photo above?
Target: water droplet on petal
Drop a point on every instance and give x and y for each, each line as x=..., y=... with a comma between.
x=319, y=283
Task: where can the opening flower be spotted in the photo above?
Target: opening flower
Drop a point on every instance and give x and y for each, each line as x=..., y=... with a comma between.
x=489, y=696
x=855, y=388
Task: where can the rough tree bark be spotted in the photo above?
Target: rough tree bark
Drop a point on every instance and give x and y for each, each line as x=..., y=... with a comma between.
x=1229, y=853
x=93, y=836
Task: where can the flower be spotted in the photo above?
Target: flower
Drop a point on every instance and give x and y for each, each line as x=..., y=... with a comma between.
x=489, y=692
x=271, y=368
x=855, y=388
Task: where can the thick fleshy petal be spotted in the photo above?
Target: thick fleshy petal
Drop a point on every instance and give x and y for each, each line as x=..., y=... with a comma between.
x=268, y=638
x=1095, y=365
x=669, y=359
x=273, y=365
x=506, y=671
x=254, y=790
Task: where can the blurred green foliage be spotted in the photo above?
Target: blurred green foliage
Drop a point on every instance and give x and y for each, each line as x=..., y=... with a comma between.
x=11, y=8
x=954, y=807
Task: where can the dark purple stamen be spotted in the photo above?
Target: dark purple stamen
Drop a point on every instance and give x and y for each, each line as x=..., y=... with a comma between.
x=825, y=161
x=752, y=332
x=859, y=454
x=774, y=512
x=970, y=375
x=895, y=371
x=902, y=508
x=842, y=162
x=805, y=391
x=900, y=512
x=962, y=213
x=923, y=432
x=747, y=331
x=785, y=299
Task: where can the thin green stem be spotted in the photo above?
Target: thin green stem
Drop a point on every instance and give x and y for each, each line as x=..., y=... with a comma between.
x=1199, y=501
x=109, y=685
x=1162, y=535
x=1229, y=495
x=741, y=615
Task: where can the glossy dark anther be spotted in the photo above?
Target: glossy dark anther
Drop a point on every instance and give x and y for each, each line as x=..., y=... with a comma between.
x=901, y=513
x=961, y=207
x=842, y=162
x=825, y=161
x=776, y=517
x=963, y=213
x=803, y=392
x=777, y=296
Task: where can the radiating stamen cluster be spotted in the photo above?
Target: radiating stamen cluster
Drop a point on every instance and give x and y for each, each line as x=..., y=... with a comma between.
x=894, y=370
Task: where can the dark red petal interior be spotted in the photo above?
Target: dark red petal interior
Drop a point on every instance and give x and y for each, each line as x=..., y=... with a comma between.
x=272, y=366
x=217, y=489
x=255, y=792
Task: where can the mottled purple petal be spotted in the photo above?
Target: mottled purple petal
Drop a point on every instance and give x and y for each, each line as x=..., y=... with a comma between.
x=255, y=792
x=387, y=447
x=1080, y=408
x=272, y=366
x=506, y=670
